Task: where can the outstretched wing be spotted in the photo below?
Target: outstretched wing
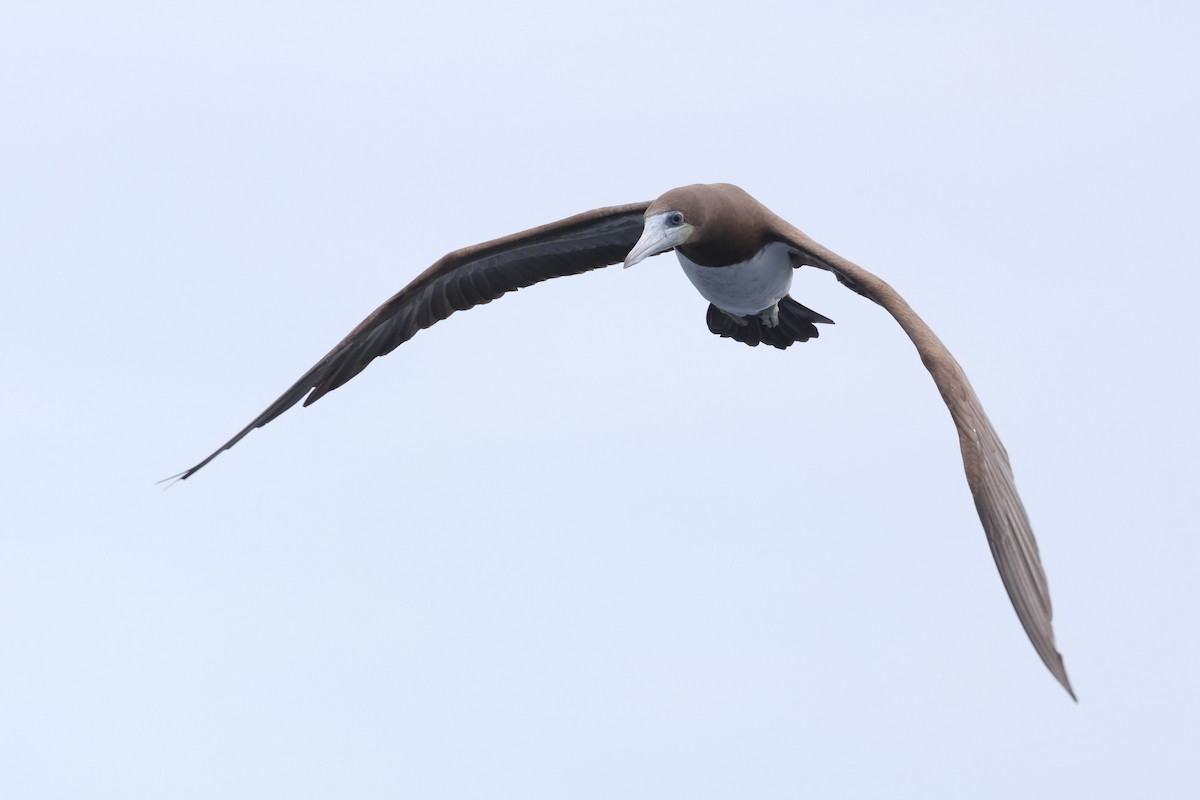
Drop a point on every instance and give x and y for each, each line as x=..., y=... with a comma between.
x=458, y=281
x=985, y=460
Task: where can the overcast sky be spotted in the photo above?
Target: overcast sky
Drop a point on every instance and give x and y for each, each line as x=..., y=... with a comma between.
x=570, y=544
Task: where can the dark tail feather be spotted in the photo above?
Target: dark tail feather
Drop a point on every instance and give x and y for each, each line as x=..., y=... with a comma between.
x=796, y=324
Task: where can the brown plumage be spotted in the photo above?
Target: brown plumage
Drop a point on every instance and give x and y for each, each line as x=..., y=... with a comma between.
x=731, y=226
x=718, y=231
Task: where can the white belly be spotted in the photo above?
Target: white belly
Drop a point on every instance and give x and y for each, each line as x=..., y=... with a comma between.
x=747, y=288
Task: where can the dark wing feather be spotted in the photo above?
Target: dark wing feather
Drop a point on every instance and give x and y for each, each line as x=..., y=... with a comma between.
x=985, y=460
x=458, y=281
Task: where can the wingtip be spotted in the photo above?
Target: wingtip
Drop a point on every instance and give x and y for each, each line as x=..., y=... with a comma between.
x=187, y=473
x=174, y=479
x=1061, y=675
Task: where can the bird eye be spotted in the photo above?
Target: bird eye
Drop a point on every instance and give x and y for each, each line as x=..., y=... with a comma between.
x=676, y=218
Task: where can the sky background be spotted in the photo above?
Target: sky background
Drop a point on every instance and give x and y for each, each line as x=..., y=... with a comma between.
x=570, y=544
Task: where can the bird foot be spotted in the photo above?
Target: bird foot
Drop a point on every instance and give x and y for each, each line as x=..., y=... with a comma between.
x=770, y=316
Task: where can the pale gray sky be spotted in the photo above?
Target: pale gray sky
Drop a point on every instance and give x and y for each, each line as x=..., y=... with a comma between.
x=570, y=544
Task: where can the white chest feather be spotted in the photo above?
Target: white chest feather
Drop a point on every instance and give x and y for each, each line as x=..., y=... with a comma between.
x=747, y=288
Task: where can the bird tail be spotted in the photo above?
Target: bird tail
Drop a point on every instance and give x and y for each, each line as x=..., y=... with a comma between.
x=796, y=324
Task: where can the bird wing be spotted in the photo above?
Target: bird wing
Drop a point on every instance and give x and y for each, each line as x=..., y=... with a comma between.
x=458, y=281
x=985, y=460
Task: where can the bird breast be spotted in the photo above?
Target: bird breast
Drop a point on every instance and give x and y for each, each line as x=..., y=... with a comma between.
x=746, y=288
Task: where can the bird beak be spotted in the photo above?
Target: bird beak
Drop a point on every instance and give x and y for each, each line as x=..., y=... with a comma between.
x=657, y=237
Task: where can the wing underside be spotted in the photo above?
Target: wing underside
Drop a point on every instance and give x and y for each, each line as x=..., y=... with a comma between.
x=458, y=281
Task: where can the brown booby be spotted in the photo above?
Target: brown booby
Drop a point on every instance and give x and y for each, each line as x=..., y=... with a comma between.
x=740, y=256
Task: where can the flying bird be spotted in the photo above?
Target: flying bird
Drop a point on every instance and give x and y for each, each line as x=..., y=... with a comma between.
x=740, y=256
